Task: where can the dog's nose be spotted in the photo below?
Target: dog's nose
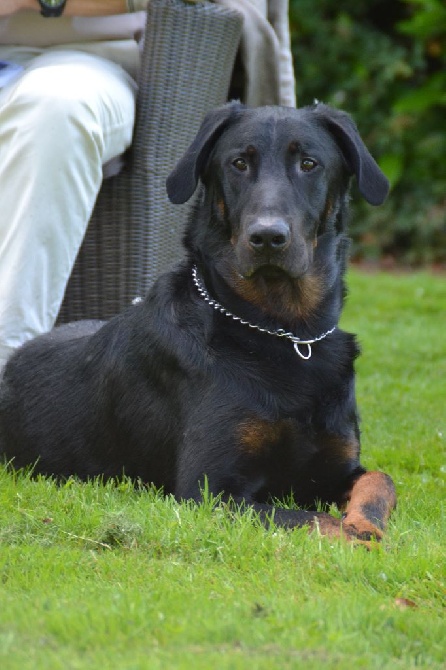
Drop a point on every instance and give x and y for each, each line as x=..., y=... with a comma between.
x=269, y=235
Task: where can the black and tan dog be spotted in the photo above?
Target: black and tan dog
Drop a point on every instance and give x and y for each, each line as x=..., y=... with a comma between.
x=233, y=368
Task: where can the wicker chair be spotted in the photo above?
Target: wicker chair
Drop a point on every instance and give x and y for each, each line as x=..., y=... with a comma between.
x=135, y=233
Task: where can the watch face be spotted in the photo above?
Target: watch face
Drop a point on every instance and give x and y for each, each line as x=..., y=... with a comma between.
x=52, y=7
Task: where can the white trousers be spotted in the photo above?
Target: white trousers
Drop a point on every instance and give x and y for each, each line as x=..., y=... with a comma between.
x=67, y=114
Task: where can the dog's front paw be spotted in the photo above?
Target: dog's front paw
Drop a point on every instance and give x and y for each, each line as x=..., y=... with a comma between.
x=353, y=528
x=325, y=524
x=358, y=527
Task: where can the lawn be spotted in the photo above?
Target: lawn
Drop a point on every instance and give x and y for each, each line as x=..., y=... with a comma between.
x=96, y=576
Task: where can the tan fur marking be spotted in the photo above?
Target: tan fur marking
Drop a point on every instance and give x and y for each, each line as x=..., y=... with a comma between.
x=328, y=209
x=346, y=448
x=311, y=291
x=256, y=435
x=221, y=207
x=331, y=527
x=326, y=524
x=358, y=525
x=372, y=494
x=285, y=300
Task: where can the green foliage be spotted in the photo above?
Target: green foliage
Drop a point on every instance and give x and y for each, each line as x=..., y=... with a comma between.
x=105, y=575
x=385, y=63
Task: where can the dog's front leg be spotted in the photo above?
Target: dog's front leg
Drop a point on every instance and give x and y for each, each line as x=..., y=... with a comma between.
x=216, y=472
x=321, y=522
x=370, y=503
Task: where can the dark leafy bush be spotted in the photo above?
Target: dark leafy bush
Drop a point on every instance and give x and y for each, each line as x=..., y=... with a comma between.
x=384, y=61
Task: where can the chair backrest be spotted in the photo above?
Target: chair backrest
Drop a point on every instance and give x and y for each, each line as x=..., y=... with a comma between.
x=135, y=233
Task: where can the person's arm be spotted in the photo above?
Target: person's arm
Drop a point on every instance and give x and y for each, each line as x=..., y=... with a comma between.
x=77, y=7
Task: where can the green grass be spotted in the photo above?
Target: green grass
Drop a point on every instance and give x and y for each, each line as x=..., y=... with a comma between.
x=96, y=576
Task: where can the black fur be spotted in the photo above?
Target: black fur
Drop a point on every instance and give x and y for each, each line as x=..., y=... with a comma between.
x=172, y=390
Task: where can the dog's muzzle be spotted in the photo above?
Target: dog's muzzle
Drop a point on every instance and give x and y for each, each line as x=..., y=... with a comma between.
x=268, y=245
x=268, y=236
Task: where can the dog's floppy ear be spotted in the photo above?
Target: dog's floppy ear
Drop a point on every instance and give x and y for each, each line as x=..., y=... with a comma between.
x=183, y=180
x=373, y=184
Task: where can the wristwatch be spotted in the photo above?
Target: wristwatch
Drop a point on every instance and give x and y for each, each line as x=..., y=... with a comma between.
x=50, y=8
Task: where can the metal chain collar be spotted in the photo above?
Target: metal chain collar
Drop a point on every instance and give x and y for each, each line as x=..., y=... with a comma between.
x=278, y=333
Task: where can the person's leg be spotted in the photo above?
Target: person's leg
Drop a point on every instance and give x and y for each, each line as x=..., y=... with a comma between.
x=67, y=115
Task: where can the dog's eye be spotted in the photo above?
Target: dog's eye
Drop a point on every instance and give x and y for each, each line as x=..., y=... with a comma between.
x=308, y=164
x=240, y=164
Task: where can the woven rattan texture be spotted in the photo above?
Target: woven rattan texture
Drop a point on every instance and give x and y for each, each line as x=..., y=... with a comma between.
x=135, y=233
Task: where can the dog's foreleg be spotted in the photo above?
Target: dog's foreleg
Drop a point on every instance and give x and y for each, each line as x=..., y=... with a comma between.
x=370, y=503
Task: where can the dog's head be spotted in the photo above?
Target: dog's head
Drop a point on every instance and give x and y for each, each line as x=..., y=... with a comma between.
x=276, y=182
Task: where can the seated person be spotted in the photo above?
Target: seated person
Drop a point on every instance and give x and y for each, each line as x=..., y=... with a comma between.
x=68, y=111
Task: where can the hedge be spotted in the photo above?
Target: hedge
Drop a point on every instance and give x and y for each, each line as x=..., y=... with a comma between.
x=384, y=61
